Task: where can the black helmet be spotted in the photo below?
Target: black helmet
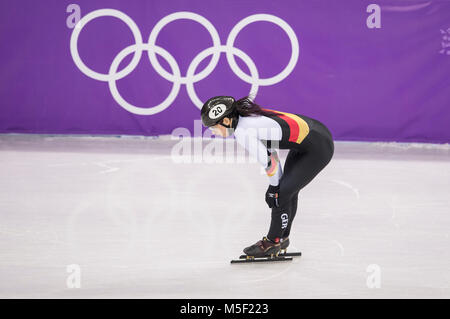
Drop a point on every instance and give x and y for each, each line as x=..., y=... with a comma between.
x=216, y=108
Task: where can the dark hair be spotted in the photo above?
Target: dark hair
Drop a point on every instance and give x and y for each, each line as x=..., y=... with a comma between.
x=246, y=107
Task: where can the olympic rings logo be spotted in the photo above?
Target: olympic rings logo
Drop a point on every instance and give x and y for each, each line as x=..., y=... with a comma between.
x=175, y=77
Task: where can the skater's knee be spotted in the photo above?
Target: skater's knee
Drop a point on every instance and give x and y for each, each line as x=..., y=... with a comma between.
x=285, y=199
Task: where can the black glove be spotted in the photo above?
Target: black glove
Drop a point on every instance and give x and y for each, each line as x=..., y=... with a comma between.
x=272, y=196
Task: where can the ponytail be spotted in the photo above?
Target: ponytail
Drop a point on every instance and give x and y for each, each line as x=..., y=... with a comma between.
x=246, y=107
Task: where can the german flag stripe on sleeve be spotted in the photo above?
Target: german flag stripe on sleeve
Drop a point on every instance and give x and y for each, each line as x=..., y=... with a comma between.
x=273, y=167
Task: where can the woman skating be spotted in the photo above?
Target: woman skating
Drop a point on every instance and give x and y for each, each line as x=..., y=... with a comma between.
x=261, y=131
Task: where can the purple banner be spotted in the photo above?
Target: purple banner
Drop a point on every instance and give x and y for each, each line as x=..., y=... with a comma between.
x=369, y=70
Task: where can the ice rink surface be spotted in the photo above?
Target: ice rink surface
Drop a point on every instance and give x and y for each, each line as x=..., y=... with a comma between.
x=375, y=223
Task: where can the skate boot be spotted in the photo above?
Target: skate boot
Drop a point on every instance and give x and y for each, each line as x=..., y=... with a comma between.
x=263, y=248
x=284, y=244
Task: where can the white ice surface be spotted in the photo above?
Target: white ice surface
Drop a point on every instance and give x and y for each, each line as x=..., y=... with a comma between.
x=140, y=225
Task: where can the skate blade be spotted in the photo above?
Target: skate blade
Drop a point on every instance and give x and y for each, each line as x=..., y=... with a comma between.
x=294, y=254
x=260, y=259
